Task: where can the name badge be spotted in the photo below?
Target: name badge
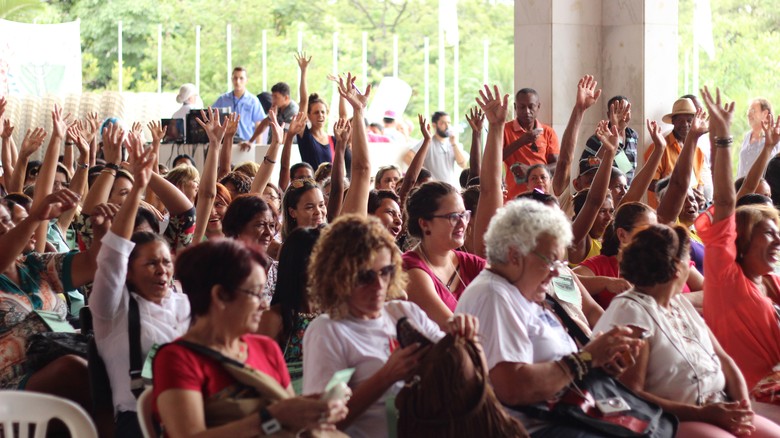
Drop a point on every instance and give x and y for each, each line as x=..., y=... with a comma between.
x=566, y=289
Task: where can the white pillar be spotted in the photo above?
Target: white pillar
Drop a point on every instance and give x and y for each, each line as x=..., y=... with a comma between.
x=120, y=83
x=441, y=70
x=159, y=58
x=455, y=84
x=364, y=60
x=300, y=40
x=485, y=60
x=395, y=56
x=426, y=70
x=335, y=59
x=229, y=50
x=197, y=58
x=265, y=59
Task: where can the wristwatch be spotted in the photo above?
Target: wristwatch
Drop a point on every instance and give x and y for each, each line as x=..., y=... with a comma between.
x=586, y=357
x=268, y=423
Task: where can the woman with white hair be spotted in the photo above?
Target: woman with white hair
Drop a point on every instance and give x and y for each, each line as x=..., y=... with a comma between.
x=530, y=355
x=189, y=99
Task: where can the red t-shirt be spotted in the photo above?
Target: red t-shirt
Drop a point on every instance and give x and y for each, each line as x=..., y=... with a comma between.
x=740, y=316
x=178, y=367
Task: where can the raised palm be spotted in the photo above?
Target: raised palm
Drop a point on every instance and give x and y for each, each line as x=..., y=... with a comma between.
x=348, y=90
x=492, y=105
x=587, y=94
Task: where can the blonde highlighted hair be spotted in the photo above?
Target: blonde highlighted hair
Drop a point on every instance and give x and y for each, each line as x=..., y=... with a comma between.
x=747, y=217
x=347, y=247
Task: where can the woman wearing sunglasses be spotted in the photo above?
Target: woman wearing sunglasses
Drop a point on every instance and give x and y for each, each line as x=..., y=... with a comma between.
x=355, y=269
x=438, y=273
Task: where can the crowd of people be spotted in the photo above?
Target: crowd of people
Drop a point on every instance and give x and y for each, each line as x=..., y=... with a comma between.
x=330, y=301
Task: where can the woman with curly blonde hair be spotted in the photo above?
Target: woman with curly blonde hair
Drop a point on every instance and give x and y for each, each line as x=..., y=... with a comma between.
x=355, y=270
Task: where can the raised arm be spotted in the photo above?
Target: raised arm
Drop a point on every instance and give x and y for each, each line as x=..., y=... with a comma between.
x=7, y=154
x=582, y=224
x=771, y=138
x=644, y=176
x=45, y=181
x=207, y=191
x=89, y=130
x=357, y=196
x=587, y=95
x=31, y=143
x=296, y=128
x=410, y=178
x=142, y=161
x=101, y=188
x=78, y=183
x=69, y=154
x=226, y=153
x=158, y=133
x=303, y=65
x=724, y=197
x=671, y=204
x=475, y=117
x=491, y=197
x=342, y=131
x=263, y=175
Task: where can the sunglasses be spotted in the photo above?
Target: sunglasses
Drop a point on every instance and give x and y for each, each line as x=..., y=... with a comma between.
x=370, y=276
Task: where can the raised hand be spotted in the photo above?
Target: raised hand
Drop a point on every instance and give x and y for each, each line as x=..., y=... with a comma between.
x=587, y=94
x=158, y=130
x=137, y=127
x=113, y=136
x=58, y=122
x=142, y=161
x=209, y=121
x=101, y=218
x=231, y=125
x=771, y=131
x=494, y=107
x=32, y=141
x=721, y=114
x=655, y=134
x=303, y=61
x=298, y=124
x=608, y=135
x=342, y=130
x=3, y=103
x=74, y=134
x=475, y=117
x=90, y=126
x=277, y=131
x=425, y=128
x=54, y=205
x=620, y=114
x=8, y=129
x=700, y=124
x=348, y=90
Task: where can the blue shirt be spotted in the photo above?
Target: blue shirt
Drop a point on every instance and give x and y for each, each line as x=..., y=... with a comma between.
x=247, y=106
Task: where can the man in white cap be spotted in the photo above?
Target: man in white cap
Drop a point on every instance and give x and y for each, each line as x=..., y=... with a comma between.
x=189, y=99
x=681, y=118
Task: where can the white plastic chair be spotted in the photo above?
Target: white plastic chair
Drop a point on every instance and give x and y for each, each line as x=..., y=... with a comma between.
x=144, y=411
x=25, y=408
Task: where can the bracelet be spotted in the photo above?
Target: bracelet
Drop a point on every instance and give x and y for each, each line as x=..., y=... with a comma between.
x=69, y=143
x=112, y=166
x=82, y=166
x=111, y=172
x=269, y=160
x=724, y=142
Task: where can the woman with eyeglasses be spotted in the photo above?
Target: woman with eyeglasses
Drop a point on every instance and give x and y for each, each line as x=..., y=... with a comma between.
x=438, y=272
x=206, y=384
x=681, y=367
x=355, y=270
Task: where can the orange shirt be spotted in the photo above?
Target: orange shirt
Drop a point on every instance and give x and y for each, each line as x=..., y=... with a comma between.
x=741, y=317
x=546, y=143
x=668, y=160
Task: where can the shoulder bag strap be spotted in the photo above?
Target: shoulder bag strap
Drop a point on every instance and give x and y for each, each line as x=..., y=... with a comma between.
x=574, y=330
x=134, y=340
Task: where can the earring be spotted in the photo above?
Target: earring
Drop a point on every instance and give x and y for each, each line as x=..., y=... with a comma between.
x=427, y=232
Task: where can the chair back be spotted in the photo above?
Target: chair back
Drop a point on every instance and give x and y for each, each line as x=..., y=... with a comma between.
x=144, y=411
x=25, y=408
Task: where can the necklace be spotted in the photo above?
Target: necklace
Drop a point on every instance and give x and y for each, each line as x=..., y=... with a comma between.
x=455, y=269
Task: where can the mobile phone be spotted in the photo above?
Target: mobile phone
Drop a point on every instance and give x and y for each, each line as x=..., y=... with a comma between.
x=538, y=131
x=407, y=334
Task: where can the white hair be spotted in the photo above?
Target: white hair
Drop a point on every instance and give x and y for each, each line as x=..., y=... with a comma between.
x=519, y=224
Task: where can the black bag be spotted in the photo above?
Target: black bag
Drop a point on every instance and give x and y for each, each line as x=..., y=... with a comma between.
x=644, y=419
x=44, y=348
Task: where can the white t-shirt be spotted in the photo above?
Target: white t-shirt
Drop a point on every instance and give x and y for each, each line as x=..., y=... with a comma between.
x=332, y=345
x=513, y=329
x=440, y=160
x=683, y=366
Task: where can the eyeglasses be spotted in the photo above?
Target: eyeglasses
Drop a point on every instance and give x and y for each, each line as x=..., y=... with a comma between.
x=262, y=296
x=369, y=276
x=454, y=218
x=552, y=265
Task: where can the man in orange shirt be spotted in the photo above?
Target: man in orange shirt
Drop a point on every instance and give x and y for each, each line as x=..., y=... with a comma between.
x=527, y=141
x=681, y=117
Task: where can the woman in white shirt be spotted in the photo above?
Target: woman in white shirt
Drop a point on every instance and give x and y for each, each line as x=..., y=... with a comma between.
x=681, y=367
x=355, y=268
x=133, y=267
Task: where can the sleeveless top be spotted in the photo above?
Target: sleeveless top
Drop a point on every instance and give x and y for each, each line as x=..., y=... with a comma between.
x=469, y=266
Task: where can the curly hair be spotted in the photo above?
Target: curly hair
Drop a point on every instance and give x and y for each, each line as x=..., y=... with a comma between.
x=241, y=181
x=653, y=254
x=747, y=217
x=346, y=248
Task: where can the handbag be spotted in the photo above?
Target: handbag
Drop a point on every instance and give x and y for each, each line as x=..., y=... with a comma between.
x=56, y=338
x=588, y=403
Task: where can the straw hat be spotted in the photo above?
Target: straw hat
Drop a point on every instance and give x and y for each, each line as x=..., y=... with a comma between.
x=185, y=92
x=681, y=106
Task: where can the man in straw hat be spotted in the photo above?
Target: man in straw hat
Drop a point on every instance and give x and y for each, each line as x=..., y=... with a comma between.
x=681, y=118
x=189, y=99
